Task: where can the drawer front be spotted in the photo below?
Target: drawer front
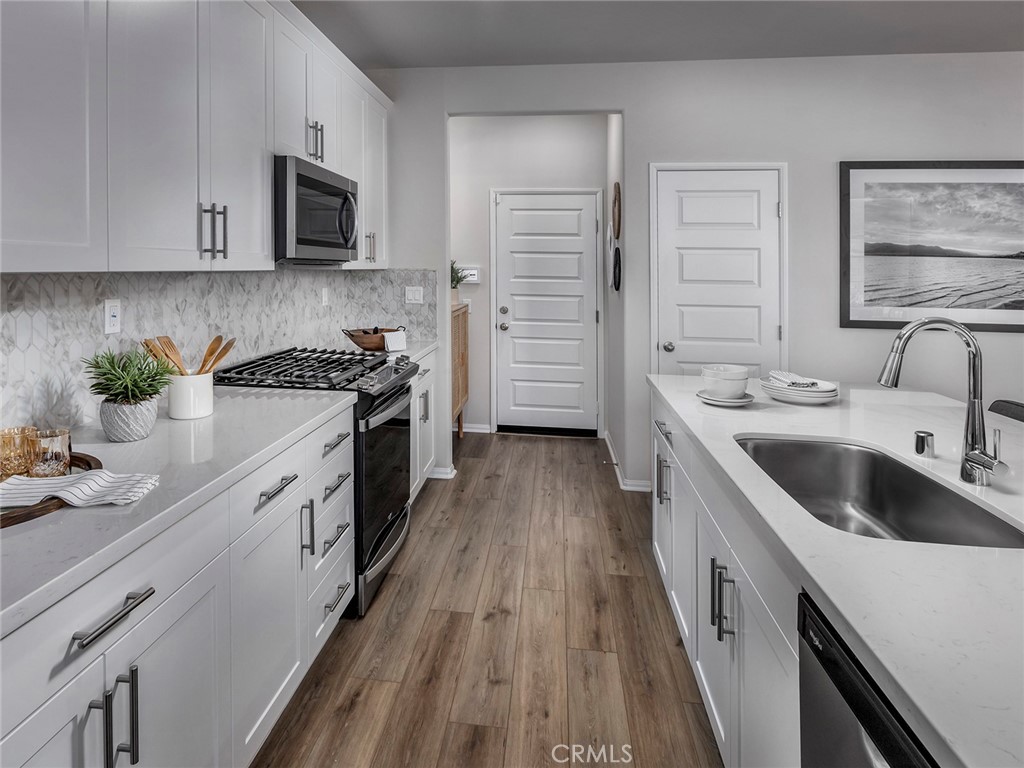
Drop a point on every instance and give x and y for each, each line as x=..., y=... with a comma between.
x=334, y=532
x=256, y=494
x=331, y=481
x=37, y=659
x=326, y=442
x=330, y=600
x=428, y=366
x=664, y=421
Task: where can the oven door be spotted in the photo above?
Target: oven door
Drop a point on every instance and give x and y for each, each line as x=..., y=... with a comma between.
x=384, y=465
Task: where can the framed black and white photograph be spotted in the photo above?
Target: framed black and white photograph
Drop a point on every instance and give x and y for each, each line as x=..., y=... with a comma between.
x=932, y=238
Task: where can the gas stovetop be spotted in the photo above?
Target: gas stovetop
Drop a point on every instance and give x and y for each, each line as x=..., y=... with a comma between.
x=304, y=368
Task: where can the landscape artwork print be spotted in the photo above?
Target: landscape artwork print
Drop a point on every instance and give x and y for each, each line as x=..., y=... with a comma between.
x=932, y=238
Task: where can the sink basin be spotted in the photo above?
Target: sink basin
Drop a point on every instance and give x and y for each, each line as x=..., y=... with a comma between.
x=863, y=491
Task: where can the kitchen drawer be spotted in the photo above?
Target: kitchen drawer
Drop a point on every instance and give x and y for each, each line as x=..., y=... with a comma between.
x=256, y=494
x=334, y=532
x=428, y=366
x=330, y=600
x=671, y=430
x=325, y=442
x=37, y=659
x=330, y=481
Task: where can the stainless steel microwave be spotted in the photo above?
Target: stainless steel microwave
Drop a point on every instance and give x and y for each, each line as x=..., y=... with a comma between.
x=316, y=215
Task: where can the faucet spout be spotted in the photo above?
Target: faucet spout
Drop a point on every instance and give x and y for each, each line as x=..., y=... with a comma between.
x=976, y=463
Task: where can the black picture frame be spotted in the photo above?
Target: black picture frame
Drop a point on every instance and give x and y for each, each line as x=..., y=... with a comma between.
x=854, y=312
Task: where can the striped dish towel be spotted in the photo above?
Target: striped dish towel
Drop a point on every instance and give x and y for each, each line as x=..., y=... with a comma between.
x=88, y=489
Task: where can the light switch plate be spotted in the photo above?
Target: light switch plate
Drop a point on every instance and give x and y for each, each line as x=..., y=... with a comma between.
x=414, y=294
x=472, y=274
x=111, y=316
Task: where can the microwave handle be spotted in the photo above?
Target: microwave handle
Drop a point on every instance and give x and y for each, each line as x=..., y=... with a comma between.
x=350, y=238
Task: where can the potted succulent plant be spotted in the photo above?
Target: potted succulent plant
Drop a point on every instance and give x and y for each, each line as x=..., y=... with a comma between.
x=458, y=278
x=129, y=382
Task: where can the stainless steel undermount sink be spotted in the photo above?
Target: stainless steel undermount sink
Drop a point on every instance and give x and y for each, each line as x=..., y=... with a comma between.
x=866, y=492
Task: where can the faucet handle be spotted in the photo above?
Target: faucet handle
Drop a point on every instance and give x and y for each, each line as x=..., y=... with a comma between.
x=997, y=440
x=924, y=444
x=987, y=463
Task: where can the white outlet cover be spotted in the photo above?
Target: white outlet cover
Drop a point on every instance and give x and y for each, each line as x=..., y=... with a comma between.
x=111, y=316
x=414, y=294
x=325, y=297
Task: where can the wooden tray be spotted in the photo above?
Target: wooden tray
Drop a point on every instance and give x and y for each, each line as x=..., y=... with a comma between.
x=15, y=515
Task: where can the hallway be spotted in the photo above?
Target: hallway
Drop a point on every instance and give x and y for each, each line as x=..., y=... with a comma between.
x=524, y=612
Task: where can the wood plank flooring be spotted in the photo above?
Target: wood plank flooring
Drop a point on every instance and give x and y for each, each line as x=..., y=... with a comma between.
x=524, y=612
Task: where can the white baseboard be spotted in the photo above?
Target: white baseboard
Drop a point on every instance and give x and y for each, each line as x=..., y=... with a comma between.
x=625, y=484
x=442, y=473
x=484, y=428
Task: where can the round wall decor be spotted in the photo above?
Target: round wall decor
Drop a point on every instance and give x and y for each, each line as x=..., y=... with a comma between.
x=617, y=211
x=617, y=269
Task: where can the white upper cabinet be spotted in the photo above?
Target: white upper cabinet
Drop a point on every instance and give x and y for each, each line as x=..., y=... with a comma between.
x=327, y=77
x=154, y=85
x=353, y=108
x=54, y=125
x=373, y=189
x=293, y=91
x=241, y=123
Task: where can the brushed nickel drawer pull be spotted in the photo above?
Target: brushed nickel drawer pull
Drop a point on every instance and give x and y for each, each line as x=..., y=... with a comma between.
x=312, y=531
x=132, y=747
x=330, y=490
x=131, y=601
x=329, y=543
x=328, y=447
x=106, y=706
x=342, y=589
x=266, y=496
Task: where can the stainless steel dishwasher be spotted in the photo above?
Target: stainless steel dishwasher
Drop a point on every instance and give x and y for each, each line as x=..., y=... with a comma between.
x=845, y=720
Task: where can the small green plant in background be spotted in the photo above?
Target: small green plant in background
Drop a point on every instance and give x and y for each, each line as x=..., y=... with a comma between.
x=458, y=275
x=127, y=377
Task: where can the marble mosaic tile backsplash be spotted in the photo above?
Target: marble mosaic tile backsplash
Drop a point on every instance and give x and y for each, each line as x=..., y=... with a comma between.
x=50, y=322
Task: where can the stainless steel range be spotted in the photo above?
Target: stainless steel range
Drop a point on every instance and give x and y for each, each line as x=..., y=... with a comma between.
x=381, y=442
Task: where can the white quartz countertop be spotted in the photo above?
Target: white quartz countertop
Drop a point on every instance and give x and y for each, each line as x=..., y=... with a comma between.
x=940, y=628
x=416, y=350
x=45, y=559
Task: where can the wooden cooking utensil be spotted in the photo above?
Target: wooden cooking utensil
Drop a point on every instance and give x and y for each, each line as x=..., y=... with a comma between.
x=211, y=351
x=221, y=355
x=171, y=350
x=154, y=349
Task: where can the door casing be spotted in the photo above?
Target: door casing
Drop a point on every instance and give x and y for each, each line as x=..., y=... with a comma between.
x=782, y=169
x=492, y=267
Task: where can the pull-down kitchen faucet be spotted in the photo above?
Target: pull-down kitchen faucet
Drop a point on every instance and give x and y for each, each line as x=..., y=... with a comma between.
x=976, y=463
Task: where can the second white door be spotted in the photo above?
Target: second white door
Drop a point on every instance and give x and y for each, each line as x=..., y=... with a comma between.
x=546, y=293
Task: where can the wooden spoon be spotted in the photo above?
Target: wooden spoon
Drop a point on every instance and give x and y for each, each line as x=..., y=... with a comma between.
x=220, y=355
x=171, y=350
x=210, y=352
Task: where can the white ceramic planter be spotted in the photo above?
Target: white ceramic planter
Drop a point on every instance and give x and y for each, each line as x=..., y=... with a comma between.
x=127, y=422
x=190, y=397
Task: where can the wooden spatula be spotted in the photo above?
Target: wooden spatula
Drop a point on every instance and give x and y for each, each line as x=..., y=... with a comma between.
x=211, y=351
x=171, y=350
x=154, y=349
x=220, y=355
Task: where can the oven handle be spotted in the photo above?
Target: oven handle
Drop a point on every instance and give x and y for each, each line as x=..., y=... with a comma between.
x=376, y=419
x=384, y=561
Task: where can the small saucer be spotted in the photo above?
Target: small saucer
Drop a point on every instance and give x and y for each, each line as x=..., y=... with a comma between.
x=721, y=402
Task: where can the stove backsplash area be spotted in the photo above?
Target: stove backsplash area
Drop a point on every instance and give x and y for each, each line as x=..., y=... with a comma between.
x=50, y=322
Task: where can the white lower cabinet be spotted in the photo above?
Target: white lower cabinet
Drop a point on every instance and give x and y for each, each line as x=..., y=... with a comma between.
x=65, y=731
x=661, y=529
x=422, y=419
x=685, y=504
x=268, y=621
x=173, y=671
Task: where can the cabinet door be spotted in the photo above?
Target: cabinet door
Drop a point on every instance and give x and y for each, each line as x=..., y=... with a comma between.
x=661, y=504
x=53, y=93
x=685, y=503
x=181, y=652
x=293, y=90
x=268, y=622
x=714, y=665
x=154, y=96
x=353, y=107
x=65, y=731
x=768, y=688
x=373, y=193
x=241, y=119
x=327, y=108
x=426, y=428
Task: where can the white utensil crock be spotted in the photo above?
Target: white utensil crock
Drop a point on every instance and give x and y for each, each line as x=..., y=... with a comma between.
x=190, y=397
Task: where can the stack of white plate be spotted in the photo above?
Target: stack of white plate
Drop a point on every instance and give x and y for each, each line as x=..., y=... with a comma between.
x=825, y=392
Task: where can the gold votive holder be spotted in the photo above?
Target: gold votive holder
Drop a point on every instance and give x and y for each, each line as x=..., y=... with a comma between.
x=52, y=455
x=17, y=451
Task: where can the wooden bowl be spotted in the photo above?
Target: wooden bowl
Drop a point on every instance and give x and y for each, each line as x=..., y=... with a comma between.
x=367, y=339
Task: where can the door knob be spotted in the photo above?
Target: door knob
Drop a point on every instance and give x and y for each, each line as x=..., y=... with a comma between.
x=504, y=326
x=668, y=346
x=503, y=310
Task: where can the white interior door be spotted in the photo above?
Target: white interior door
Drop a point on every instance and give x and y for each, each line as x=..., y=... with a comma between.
x=546, y=294
x=718, y=262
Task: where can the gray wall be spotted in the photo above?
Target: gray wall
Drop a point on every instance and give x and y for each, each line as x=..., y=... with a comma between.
x=524, y=152
x=809, y=113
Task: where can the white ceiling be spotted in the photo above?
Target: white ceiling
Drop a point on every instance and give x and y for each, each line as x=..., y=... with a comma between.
x=383, y=34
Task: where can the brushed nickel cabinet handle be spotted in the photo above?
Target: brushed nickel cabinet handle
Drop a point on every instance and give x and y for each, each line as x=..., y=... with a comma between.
x=312, y=531
x=271, y=493
x=714, y=575
x=132, y=601
x=663, y=494
x=224, y=232
x=663, y=428
x=320, y=142
x=329, y=543
x=212, y=250
x=106, y=706
x=342, y=589
x=330, y=490
x=722, y=581
x=132, y=747
x=425, y=416
x=328, y=447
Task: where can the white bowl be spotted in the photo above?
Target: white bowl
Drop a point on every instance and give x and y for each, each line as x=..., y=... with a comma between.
x=724, y=371
x=727, y=389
